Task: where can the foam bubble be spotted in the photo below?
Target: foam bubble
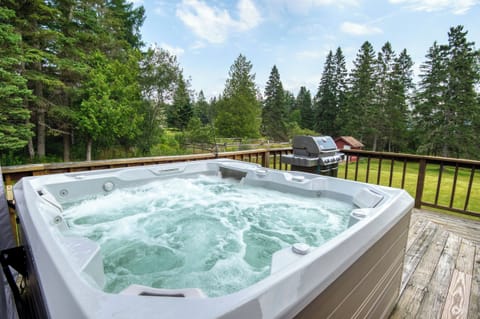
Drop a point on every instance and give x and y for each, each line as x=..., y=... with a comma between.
x=206, y=232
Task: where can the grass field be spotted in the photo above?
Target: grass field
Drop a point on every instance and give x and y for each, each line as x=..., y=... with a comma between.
x=431, y=181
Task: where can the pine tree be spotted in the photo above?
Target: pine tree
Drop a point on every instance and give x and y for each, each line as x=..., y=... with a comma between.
x=34, y=20
x=14, y=128
x=398, y=101
x=341, y=88
x=274, y=108
x=77, y=27
x=304, y=105
x=447, y=107
x=325, y=99
x=238, y=110
x=383, y=109
x=461, y=104
x=180, y=111
x=203, y=110
x=429, y=100
x=360, y=112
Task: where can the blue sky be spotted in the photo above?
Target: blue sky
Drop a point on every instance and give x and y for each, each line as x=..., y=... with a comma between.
x=295, y=35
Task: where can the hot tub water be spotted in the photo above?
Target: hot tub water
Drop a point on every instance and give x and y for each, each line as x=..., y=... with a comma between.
x=206, y=232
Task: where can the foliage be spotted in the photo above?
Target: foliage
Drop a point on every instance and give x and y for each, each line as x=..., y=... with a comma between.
x=168, y=144
x=109, y=110
x=14, y=127
x=237, y=117
x=180, y=111
x=393, y=80
x=305, y=109
x=274, y=108
x=159, y=71
x=447, y=106
x=326, y=107
x=360, y=113
x=237, y=112
x=196, y=132
x=203, y=110
x=294, y=129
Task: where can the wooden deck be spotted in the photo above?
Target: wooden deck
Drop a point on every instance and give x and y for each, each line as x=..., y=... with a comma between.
x=441, y=276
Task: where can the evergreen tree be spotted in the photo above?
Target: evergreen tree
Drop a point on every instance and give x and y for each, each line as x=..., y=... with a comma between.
x=360, y=112
x=180, y=111
x=78, y=29
x=34, y=20
x=447, y=107
x=398, y=101
x=429, y=100
x=341, y=88
x=325, y=100
x=238, y=110
x=461, y=110
x=14, y=127
x=203, y=110
x=293, y=113
x=383, y=109
x=89, y=26
x=305, y=107
x=274, y=108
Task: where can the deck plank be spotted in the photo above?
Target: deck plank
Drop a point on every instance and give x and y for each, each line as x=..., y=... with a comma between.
x=436, y=292
x=441, y=275
x=474, y=304
x=417, y=227
x=456, y=305
x=416, y=251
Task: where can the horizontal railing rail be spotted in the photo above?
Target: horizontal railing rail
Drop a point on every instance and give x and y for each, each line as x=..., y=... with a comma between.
x=436, y=182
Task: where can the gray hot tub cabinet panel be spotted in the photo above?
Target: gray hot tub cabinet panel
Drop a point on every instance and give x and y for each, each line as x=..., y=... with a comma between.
x=370, y=287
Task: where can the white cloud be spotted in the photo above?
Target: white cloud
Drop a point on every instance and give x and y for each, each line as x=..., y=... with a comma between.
x=359, y=29
x=197, y=45
x=249, y=17
x=173, y=50
x=304, y=6
x=455, y=6
x=214, y=24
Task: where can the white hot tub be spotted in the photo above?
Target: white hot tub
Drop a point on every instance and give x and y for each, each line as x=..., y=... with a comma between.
x=291, y=255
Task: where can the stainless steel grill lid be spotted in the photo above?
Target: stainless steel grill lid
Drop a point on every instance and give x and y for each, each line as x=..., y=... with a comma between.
x=310, y=151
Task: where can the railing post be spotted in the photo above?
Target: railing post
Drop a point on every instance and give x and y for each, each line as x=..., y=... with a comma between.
x=422, y=165
x=266, y=159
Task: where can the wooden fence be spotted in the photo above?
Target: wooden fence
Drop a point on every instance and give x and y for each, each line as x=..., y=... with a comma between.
x=436, y=182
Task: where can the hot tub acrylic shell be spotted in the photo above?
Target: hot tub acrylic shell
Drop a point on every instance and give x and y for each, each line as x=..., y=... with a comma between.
x=355, y=274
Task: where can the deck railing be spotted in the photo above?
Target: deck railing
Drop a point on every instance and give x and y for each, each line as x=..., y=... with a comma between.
x=435, y=182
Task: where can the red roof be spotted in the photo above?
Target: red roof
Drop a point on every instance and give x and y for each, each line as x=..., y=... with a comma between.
x=350, y=140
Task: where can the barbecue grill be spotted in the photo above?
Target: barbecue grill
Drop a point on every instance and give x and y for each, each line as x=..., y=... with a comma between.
x=314, y=154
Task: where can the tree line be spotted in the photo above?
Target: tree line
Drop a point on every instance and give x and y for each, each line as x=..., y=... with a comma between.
x=77, y=80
